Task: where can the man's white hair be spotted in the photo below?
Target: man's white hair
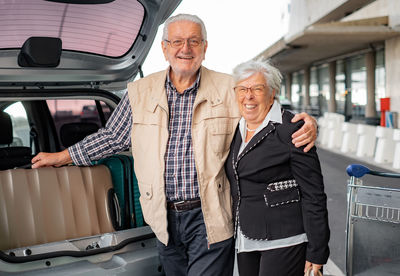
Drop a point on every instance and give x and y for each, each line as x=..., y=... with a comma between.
x=184, y=17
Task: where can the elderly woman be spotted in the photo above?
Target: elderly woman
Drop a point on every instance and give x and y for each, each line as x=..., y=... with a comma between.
x=281, y=219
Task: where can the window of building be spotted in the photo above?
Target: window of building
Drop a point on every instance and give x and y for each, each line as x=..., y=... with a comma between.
x=358, y=86
x=323, y=85
x=282, y=92
x=298, y=91
x=314, y=91
x=340, y=80
x=380, y=75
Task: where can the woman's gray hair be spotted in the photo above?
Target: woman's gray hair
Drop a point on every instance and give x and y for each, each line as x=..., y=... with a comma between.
x=184, y=17
x=251, y=67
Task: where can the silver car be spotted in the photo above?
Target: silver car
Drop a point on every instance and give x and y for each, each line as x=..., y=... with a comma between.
x=58, y=60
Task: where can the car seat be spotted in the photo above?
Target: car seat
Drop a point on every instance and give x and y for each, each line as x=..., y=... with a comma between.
x=11, y=156
x=71, y=133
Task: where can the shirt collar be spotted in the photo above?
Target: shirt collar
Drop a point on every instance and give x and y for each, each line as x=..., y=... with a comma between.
x=273, y=115
x=194, y=87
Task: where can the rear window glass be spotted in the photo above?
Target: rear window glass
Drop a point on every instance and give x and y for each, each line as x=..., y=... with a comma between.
x=78, y=111
x=105, y=29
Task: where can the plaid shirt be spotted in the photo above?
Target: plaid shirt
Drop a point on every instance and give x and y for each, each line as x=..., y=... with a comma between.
x=180, y=171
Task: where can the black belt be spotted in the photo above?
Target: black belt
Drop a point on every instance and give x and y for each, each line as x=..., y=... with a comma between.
x=184, y=205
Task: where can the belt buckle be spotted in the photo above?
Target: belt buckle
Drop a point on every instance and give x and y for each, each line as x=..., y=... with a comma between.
x=176, y=204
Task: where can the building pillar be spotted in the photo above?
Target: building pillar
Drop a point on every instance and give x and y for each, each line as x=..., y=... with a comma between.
x=320, y=96
x=392, y=71
x=370, y=109
x=347, y=100
x=288, y=85
x=307, y=103
x=332, y=87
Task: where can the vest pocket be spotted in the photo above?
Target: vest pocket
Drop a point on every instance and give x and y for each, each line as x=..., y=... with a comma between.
x=146, y=191
x=221, y=131
x=148, y=207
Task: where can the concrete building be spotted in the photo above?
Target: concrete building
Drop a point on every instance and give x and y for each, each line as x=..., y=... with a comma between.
x=341, y=56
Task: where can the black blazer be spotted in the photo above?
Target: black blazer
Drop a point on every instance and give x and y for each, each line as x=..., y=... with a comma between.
x=278, y=190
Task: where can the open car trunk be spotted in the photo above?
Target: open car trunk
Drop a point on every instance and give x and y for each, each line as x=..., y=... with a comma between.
x=69, y=220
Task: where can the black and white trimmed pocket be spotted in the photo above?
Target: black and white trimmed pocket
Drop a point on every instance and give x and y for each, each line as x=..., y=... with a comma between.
x=281, y=193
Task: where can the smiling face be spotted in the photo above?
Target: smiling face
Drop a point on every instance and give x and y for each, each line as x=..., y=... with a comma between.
x=254, y=106
x=186, y=60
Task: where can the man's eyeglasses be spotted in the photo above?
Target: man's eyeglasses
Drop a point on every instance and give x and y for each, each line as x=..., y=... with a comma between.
x=257, y=90
x=178, y=43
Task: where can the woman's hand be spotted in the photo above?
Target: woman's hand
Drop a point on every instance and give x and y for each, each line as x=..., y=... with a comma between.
x=307, y=134
x=315, y=267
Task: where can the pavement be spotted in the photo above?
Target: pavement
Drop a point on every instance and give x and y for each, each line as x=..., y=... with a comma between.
x=368, y=160
x=330, y=269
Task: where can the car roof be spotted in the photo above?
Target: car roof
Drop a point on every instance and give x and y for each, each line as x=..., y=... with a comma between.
x=102, y=44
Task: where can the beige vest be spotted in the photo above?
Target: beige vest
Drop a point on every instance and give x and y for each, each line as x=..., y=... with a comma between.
x=215, y=117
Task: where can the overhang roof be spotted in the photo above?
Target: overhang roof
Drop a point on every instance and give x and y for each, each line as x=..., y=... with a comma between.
x=326, y=41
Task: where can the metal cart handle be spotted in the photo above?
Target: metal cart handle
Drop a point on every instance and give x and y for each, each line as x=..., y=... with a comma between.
x=358, y=171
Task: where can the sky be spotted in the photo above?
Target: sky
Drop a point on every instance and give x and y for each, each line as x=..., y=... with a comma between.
x=236, y=31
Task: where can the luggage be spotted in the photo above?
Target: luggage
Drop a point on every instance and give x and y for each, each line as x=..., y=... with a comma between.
x=126, y=188
x=136, y=194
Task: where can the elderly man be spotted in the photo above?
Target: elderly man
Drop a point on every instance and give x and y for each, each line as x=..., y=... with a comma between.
x=180, y=123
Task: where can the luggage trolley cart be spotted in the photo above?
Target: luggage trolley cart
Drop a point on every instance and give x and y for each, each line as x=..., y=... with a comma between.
x=373, y=226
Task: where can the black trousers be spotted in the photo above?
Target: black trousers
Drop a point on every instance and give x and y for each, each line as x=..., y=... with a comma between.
x=287, y=261
x=188, y=253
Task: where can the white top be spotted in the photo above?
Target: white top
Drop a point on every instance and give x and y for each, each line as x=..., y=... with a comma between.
x=244, y=244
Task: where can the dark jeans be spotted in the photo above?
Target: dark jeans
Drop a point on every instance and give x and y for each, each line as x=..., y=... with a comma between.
x=187, y=252
x=287, y=261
